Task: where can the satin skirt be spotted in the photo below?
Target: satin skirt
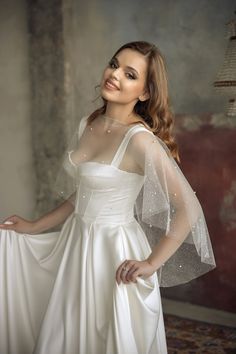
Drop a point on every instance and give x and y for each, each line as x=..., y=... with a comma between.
x=58, y=292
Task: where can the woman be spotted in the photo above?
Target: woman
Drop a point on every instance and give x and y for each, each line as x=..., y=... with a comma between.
x=93, y=287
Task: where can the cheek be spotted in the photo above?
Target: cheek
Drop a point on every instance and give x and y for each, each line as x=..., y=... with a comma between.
x=106, y=73
x=132, y=88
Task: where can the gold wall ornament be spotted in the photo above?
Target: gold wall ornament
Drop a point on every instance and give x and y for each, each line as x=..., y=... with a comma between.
x=226, y=78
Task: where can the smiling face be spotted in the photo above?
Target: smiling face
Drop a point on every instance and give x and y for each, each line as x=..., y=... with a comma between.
x=124, y=78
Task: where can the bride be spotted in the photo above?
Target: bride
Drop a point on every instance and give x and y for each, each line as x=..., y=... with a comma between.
x=131, y=223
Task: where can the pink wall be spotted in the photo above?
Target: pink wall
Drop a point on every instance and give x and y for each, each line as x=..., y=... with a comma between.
x=208, y=153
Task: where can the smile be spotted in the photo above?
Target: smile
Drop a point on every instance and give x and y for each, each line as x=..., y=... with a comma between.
x=110, y=85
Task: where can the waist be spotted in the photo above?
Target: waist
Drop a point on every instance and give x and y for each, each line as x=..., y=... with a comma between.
x=107, y=219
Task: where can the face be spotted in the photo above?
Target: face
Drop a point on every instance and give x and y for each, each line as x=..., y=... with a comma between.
x=124, y=78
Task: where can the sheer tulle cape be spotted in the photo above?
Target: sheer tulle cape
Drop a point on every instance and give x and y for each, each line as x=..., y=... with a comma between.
x=166, y=205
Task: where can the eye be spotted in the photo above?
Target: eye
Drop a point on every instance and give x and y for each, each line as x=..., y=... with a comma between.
x=112, y=64
x=131, y=76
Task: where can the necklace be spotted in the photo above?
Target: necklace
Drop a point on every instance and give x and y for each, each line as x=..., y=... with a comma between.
x=114, y=120
x=116, y=123
x=107, y=130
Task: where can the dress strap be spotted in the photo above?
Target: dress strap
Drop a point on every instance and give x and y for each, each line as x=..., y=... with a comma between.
x=121, y=150
x=82, y=125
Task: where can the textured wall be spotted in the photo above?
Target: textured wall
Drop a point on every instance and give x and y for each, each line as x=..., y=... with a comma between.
x=191, y=35
x=16, y=166
x=45, y=23
x=208, y=150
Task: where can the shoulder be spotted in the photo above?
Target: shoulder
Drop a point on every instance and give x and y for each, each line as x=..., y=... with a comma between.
x=141, y=136
x=145, y=141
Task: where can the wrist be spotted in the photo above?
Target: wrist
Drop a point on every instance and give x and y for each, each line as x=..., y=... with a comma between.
x=152, y=263
x=155, y=261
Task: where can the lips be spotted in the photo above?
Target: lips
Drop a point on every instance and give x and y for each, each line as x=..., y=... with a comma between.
x=110, y=84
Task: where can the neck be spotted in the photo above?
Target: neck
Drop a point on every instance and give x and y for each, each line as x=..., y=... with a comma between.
x=122, y=113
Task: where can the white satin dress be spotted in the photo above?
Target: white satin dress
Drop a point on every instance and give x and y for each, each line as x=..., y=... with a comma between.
x=58, y=292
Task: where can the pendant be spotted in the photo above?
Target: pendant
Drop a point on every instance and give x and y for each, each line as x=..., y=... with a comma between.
x=107, y=131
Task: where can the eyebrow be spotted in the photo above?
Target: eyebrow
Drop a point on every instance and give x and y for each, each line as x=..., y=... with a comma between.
x=129, y=67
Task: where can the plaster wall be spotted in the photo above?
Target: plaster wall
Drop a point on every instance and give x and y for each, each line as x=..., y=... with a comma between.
x=17, y=181
x=190, y=34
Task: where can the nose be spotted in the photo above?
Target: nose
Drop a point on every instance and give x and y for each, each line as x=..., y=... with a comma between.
x=115, y=74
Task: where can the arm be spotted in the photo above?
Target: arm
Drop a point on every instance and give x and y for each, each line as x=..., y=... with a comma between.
x=53, y=218
x=45, y=222
x=170, y=206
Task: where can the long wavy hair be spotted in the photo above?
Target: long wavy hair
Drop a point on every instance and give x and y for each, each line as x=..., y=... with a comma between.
x=155, y=112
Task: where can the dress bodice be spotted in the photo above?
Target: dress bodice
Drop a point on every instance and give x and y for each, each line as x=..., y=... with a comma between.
x=105, y=192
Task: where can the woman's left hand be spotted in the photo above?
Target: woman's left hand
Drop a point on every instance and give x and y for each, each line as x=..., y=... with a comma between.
x=129, y=270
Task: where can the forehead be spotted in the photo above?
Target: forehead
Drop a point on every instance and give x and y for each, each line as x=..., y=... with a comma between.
x=130, y=57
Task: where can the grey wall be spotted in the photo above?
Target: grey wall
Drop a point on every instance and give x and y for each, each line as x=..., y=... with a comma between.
x=16, y=172
x=191, y=35
x=48, y=97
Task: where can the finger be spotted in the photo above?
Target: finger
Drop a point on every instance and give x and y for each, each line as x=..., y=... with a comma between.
x=2, y=226
x=118, y=272
x=136, y=274
x=12, y=219
x=121, y=274
x=124, y=271
x=7, y=227
x=131, y=269
x=123, y=277
x=118, y=280
x=131, y=273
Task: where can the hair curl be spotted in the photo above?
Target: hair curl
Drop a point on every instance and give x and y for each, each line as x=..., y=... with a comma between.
x=155, y=111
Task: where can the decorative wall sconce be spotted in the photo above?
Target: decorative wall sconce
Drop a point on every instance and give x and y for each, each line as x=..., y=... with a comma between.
x=226, y=78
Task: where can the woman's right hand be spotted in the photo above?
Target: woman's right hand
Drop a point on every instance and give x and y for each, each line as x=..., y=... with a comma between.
x=18, y=224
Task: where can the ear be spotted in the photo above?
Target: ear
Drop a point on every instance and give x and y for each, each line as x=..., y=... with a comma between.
x=145, y=96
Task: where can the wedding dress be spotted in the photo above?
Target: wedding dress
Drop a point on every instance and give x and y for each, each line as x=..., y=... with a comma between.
x=58, y=292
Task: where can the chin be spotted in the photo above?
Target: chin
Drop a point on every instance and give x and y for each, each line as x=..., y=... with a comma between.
x=109, y=96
